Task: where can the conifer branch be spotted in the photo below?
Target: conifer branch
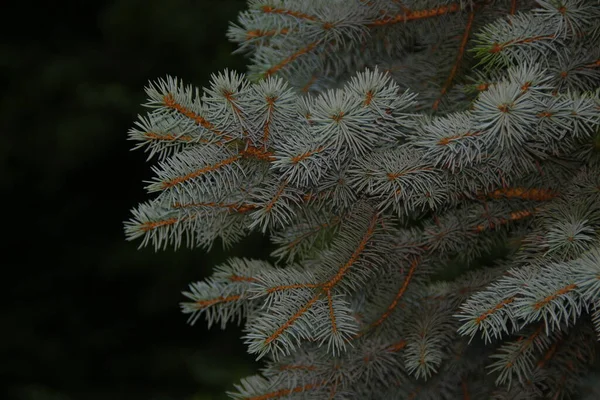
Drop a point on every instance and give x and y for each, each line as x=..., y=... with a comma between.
x=402, y=181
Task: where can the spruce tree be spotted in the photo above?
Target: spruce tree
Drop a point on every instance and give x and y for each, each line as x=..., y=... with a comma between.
x=429, y=172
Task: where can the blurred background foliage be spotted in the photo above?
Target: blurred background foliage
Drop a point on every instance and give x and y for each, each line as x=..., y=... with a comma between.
x=88, y=315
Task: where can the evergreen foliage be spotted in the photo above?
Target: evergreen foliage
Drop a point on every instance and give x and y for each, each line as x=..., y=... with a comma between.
x=430, y=174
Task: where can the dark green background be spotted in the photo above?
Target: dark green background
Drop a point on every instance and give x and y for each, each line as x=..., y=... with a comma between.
x=87, y=315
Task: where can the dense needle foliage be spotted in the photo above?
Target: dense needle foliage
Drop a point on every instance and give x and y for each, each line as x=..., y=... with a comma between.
x=430, y=174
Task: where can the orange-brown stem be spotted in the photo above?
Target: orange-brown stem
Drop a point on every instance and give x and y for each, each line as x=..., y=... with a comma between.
x=292, y=319
x=461, y=51
x=564, y=290
x=199, y=172
x=297, y=159
x=170, y=102
x=399, y=295
x=168, y=137
x=258, y=33
x=497, y=307
x=148, y=226
x=448, y=139
x=362, y=245
x=514, y=216
x=283, y=11
x=416, y=15
x=498, y=47
x=207, y=303
x=234, y=207
x=397, y=346
x=307, y=49
x=331, y=313
x=523, y=193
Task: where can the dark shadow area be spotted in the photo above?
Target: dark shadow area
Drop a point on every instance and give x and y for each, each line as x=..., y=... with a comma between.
x=87, y=314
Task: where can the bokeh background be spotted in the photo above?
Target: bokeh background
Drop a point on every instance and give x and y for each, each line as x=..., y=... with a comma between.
x=87, y=315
